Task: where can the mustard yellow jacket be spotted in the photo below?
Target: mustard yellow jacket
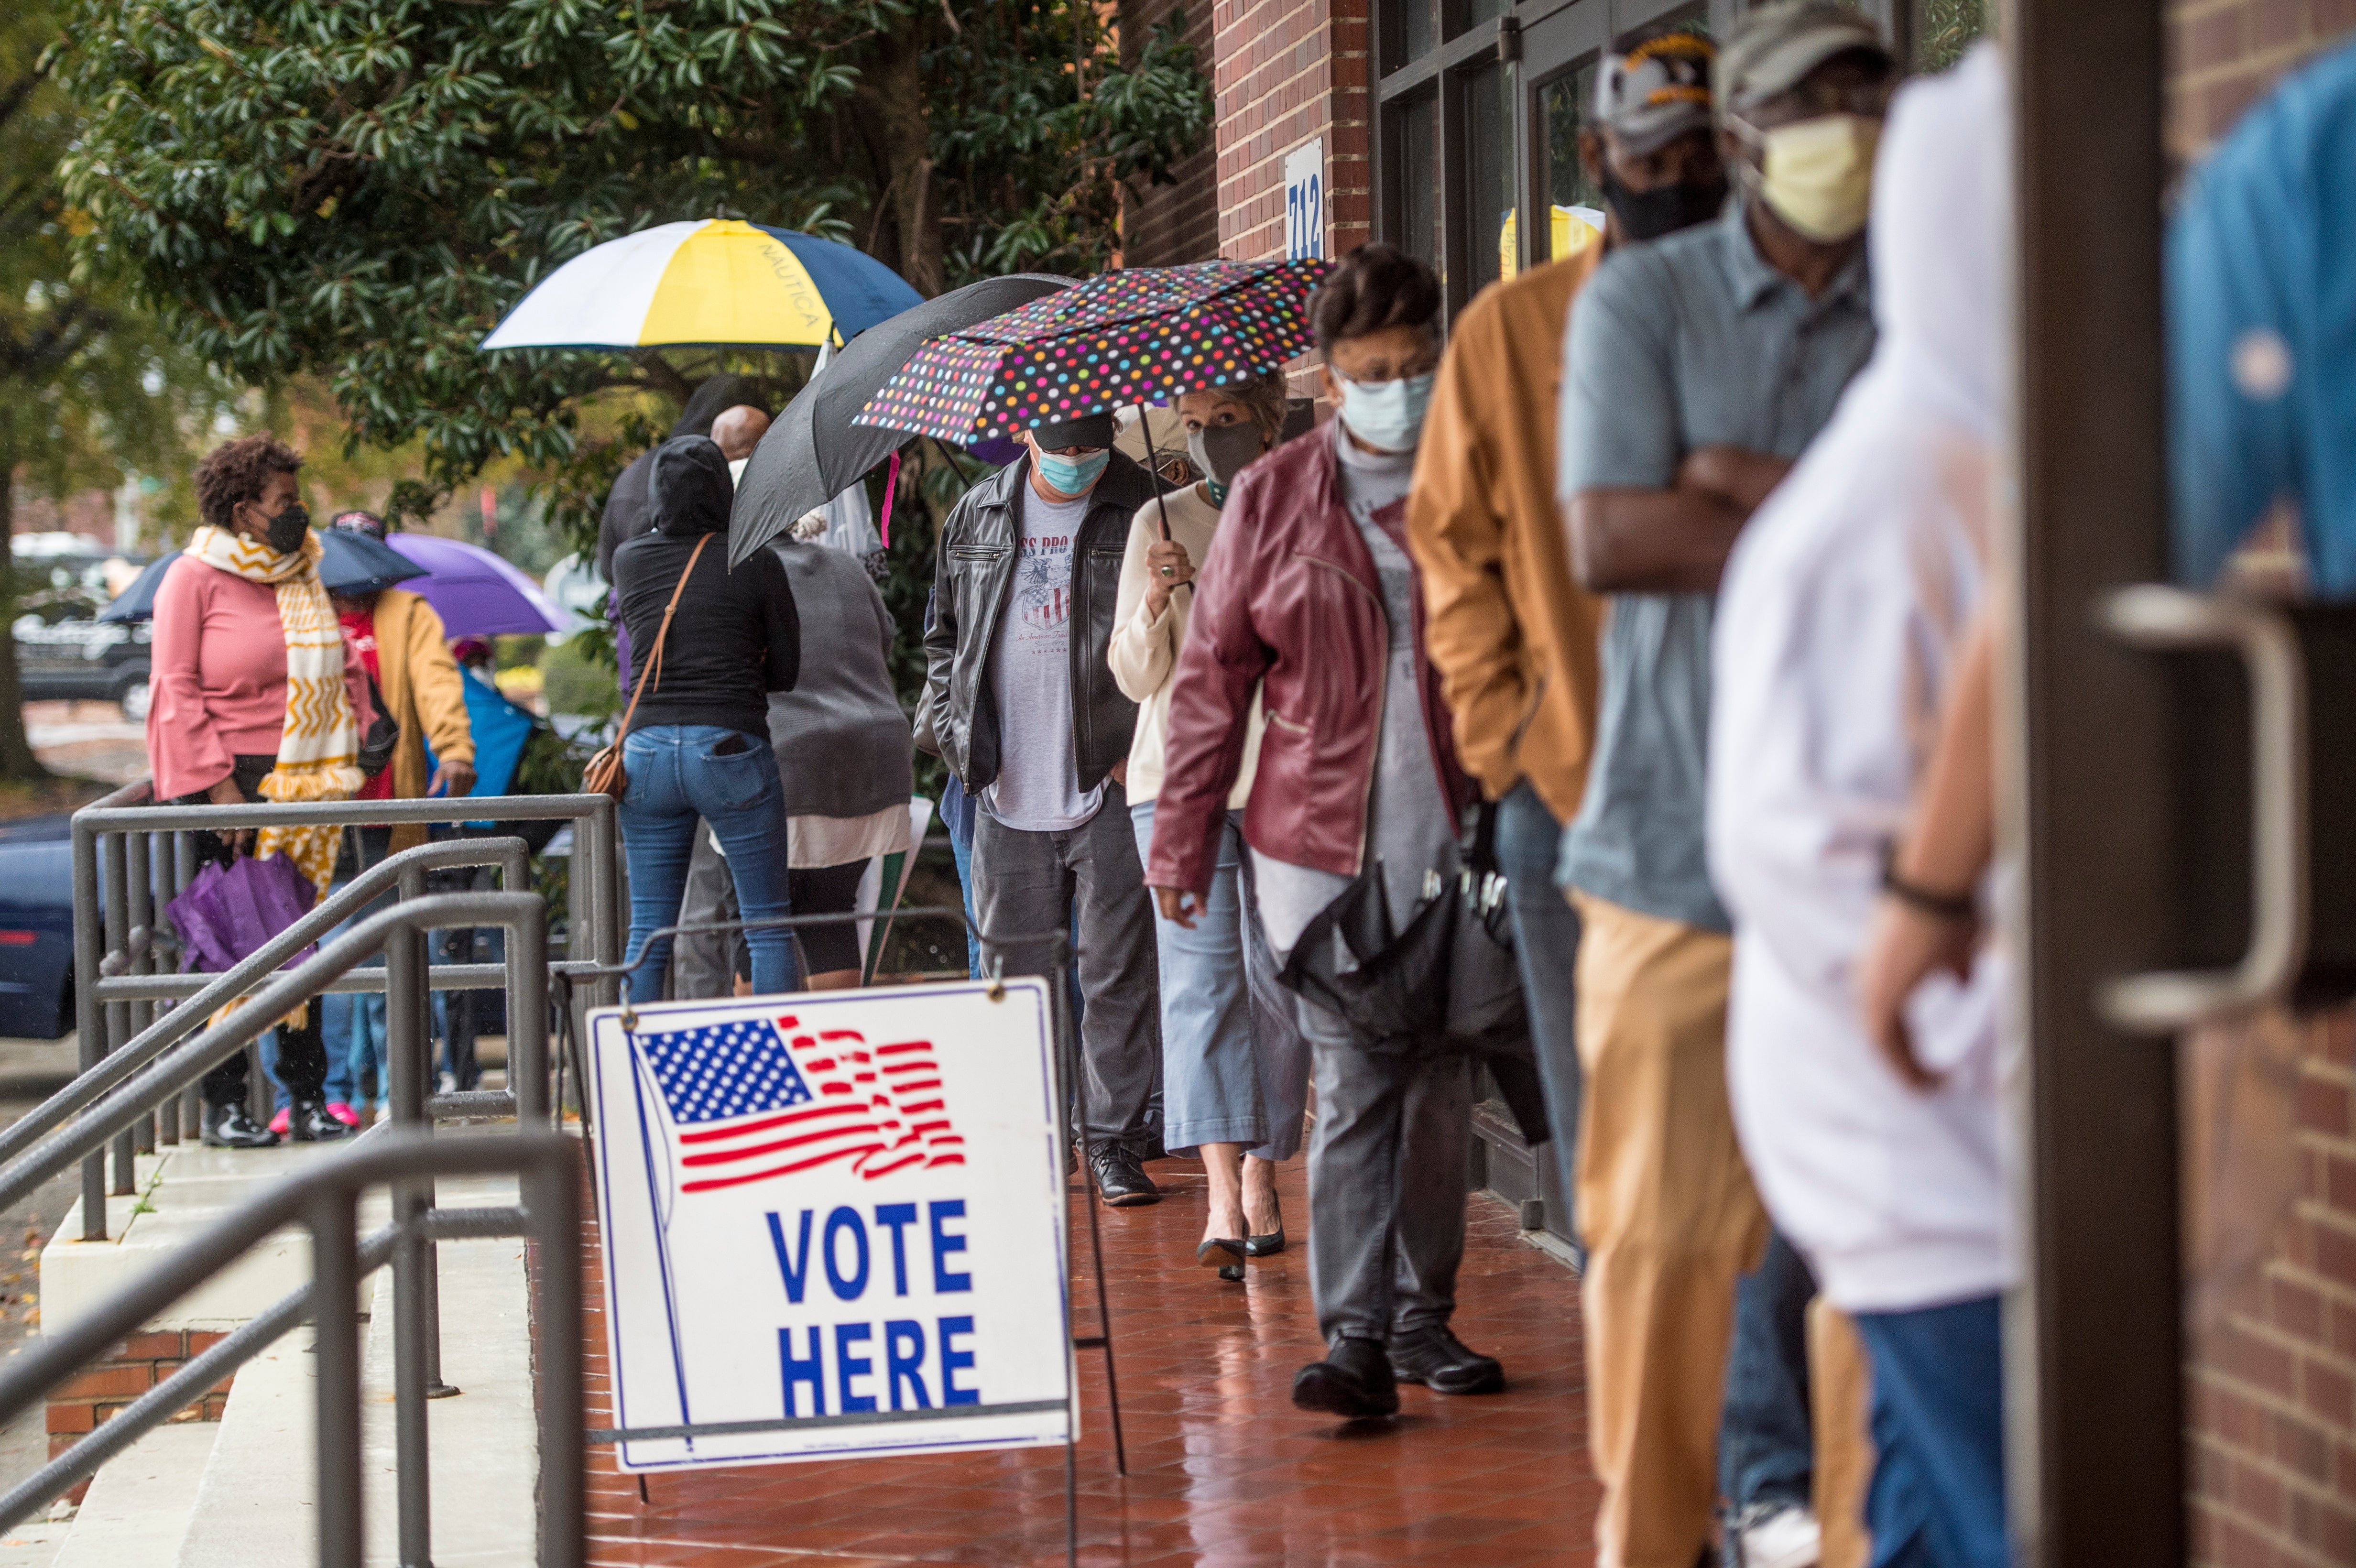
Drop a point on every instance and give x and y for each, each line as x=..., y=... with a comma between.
x=420, y=683
x=1516, y=640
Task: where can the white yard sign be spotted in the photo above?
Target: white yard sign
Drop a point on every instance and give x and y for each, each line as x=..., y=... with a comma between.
x=833, y=1225
x=1304, y=201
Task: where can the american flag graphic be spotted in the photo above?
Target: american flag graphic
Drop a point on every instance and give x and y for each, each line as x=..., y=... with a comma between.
x=753, y=1098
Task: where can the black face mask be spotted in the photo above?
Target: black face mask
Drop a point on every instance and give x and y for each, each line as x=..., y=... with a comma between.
x=1649, y=214
x=284, y=532
x=1221, y=451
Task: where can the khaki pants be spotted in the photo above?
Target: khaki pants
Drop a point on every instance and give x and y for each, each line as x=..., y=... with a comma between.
x=1670, y=1218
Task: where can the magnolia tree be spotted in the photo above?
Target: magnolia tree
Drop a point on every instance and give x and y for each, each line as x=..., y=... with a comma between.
x=360, y=188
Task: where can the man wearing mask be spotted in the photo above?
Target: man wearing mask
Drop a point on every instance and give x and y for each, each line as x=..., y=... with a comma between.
x=1514, y=639
x=1027, y=714
x=1695, y=370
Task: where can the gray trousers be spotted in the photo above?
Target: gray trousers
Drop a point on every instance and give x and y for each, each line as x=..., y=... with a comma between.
x=1546, y=949
x=1388, y=1173
x=1029, y=885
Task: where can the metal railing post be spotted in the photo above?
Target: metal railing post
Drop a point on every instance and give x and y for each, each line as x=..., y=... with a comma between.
x=413, y=1324
x=88, y=1030
x=139, y=939
x=336, y=1356
x=552, y=1196
x=118, y=927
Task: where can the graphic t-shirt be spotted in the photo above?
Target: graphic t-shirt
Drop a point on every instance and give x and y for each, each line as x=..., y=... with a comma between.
x=360, y=629
x=1038, y=784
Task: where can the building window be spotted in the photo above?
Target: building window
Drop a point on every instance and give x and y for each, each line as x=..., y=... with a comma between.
x=1417, y=141
x=1564, y=105
x=1491, y=245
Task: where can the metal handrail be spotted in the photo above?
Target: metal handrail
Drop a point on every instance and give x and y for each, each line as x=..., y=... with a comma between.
x=325, y=1197
x=113, y=945
x=186, y=1063
x=207, y=992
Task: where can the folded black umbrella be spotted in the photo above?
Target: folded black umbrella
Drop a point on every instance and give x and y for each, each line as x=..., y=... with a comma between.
x=354, y=563
x=813, y=453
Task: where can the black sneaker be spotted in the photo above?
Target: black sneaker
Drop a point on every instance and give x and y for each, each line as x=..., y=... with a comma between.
x=1442, y=1363
x=1121, y=1181
x=311, y=1123
x=1353, y=1381
x=228, y=1126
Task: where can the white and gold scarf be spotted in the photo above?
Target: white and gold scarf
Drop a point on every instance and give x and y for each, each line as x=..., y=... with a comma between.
x=316, y=750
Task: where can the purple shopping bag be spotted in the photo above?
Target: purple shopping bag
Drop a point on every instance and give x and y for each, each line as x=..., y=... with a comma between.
x=227, y=913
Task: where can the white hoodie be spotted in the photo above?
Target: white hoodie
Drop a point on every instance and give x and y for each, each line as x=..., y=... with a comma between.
x=1838, y=631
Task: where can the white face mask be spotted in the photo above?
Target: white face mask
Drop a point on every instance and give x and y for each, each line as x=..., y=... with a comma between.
x=1818, y=174
x=1387, y=415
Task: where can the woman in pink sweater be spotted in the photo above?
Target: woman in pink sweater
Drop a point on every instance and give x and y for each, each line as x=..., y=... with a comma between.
x=240, y=620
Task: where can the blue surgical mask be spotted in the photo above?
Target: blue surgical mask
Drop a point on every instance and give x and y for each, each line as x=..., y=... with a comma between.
x=1071, y=475
x=1387, y=415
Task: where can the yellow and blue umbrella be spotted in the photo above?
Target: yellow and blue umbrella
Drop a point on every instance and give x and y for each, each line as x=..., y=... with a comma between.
x=713, y=283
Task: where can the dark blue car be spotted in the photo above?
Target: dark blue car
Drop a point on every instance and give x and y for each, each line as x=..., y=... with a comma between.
x=37, y=999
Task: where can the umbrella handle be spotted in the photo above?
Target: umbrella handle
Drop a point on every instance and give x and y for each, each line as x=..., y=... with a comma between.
x=1153, y=466
x=891, y=488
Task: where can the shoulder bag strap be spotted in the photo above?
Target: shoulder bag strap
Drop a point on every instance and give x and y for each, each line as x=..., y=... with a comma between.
x=654, y=658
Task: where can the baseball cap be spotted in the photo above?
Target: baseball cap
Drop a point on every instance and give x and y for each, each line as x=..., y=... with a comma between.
x=1654, y=86
x=1088, y=430
x=1775, y=47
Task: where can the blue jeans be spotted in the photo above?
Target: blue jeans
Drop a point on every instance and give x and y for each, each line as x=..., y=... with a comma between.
x=1235, y=1069
x=351, y=1027
x=957, y=816
x=1545, y=949
x=1766, y=1446
x=1937, y=1495
x=678, y=773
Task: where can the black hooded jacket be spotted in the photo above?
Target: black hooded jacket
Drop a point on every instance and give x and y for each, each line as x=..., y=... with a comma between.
x=628, y=514
x=735, y=637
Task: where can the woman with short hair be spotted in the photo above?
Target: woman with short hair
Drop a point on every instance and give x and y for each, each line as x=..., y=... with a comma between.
x=1311, y=599
x=255, y=692
x=1235, y=1070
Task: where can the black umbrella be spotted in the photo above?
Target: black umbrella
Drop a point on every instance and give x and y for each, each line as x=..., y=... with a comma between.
x=354, y=563
x=814, y=453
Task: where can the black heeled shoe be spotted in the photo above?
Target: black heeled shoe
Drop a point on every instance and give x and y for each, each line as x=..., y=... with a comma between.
x=1228, y=1255
x=1268, y=1245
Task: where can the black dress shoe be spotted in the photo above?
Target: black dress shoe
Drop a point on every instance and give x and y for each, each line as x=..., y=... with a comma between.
x=228, y=1126
x=1354, y=1380
x=1266, y=1246
x=1121, y=1181
x=311, y=1123
x=1442, y=1363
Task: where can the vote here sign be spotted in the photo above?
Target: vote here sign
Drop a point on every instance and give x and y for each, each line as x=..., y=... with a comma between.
x=833, y=1225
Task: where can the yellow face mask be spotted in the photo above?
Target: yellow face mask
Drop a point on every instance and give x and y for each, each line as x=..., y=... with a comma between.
x=1818, y=174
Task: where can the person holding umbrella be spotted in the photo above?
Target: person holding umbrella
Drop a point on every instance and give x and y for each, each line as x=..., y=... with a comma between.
x=256, y=690
x=1235, y=1070
x=1309, y=600
x=1027, y=714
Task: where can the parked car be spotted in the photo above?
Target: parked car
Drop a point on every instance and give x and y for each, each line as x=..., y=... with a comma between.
x=64, y=651
x=37, y=995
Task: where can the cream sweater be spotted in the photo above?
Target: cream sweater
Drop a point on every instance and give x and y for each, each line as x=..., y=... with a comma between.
x=1145, y=648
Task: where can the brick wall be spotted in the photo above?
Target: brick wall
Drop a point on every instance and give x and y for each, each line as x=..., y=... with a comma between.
x=2224, y=54
x=1289, y=70
x=136, y=1365
x=1169, y=224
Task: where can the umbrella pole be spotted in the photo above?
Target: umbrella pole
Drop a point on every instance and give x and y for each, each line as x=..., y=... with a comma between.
x=1153, y=466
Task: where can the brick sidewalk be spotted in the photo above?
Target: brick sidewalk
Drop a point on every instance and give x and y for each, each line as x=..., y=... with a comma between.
x=1223, y=1471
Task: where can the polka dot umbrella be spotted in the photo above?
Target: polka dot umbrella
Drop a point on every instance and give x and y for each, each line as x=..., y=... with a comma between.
x=1141, y=334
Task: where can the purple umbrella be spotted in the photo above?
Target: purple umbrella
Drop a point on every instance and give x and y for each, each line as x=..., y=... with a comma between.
x=476, y=593
x=225, y=916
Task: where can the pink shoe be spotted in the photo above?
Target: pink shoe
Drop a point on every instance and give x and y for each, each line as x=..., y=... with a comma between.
x=284, y=1118
x=343, y=1112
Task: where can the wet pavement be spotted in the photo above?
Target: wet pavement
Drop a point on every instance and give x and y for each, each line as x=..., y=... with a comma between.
x=1223, y=1471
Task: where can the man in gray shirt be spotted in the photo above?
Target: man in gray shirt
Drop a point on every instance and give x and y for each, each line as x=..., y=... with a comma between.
x=1025, y=711
x=1695, y=370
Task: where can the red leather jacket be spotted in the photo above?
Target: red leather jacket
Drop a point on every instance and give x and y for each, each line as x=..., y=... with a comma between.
x=1288, y=602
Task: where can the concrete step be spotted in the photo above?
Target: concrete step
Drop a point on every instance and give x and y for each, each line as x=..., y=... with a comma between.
x=257, y=1505
x=183, y=1191
x=138, y=1509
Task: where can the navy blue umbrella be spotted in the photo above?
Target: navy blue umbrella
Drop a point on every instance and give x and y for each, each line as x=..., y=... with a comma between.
x=355, y=563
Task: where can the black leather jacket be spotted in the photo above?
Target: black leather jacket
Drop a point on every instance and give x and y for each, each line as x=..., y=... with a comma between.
x=973, y=576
